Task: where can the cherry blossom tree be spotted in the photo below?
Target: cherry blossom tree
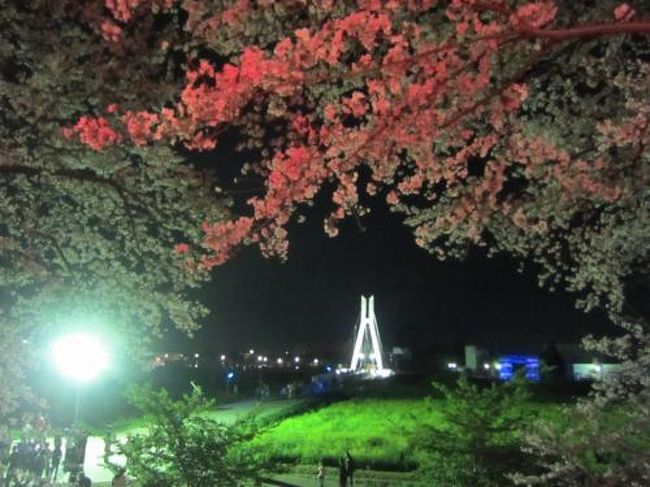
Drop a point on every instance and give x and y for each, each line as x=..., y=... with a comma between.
x=516, y=125
x=86, y=238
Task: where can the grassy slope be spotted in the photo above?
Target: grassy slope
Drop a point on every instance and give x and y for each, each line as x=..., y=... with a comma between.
x=380, y=428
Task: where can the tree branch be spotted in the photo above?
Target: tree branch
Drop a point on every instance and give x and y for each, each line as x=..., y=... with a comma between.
x=588, y=31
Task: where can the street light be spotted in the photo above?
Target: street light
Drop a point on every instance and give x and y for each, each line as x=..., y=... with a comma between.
x=80, y=357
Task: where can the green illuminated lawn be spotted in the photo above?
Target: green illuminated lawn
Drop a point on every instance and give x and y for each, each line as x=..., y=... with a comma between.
x=376, y=431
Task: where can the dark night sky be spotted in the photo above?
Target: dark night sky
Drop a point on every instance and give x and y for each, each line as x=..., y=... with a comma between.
x=314, y=297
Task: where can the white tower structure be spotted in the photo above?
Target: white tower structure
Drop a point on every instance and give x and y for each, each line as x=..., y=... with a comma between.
x=367, y=353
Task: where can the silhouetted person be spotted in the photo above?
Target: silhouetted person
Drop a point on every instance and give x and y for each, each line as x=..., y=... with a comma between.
x=349, y=467
x=47, y=460
x=343, y=474
x=40, y=461
x=55, y=460
x=5, y=448
x=320, y=476
x=14, y=460
x=108, y=440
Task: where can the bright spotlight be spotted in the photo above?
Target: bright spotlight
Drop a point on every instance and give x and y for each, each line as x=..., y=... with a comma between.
x=80, y=356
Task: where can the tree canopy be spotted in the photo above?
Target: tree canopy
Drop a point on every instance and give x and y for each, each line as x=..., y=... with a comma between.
x=86, y=238
x=512, y=124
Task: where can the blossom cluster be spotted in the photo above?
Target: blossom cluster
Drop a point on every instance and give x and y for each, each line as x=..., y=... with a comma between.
x=419, y=110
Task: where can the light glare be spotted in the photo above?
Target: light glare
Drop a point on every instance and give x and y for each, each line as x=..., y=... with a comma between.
x=80, y=357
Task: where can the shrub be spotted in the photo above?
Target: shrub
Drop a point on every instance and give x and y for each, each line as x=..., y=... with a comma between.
x=180, y=447
x=480, y=438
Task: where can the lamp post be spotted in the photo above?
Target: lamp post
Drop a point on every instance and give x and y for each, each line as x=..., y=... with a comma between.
x=80, y=357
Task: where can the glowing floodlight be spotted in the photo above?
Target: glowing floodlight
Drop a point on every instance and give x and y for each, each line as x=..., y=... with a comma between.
x=80, y=356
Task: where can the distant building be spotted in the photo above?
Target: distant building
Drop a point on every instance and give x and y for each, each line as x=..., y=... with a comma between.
x=475, y=358
x=581, y=364
x=508, y=365
x=400, y=358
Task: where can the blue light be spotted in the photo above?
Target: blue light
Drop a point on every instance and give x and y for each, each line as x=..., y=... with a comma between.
x=230, y=375
x=509, y=364
x=328, y=368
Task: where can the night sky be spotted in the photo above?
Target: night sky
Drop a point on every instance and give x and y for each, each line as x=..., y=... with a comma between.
x=312, y=300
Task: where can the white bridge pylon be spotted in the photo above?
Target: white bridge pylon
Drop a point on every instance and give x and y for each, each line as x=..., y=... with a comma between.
x=367, y=351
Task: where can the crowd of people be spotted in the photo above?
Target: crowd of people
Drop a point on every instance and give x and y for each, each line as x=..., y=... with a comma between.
x=30, y=461
x=35, y=462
